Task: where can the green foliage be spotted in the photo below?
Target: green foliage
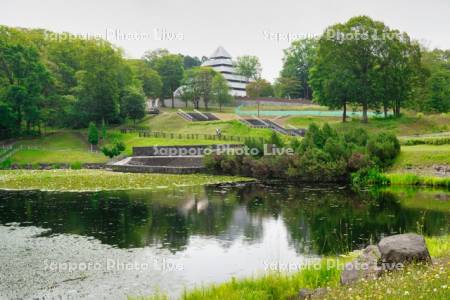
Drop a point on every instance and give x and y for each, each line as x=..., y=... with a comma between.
x=368, y=176
x=220, y=90
x=92, y=134
x=133, y=103
x=417, y=180
x=432, y=92
x=384, y=148
x=426, y=141
x=248, y=66
x=6, y=164
x=151, y=81
x=298, y=61
x=198, y=84
x=259, y=88
x=75, y=166
x=324, y=155
x=170, y=68
x=355, y=65
x=114, y=150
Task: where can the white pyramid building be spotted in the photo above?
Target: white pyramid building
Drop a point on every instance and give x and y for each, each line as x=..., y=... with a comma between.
x=222, y=62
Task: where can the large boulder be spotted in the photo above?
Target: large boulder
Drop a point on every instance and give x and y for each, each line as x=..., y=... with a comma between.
x=404, y=248
x=365, y=266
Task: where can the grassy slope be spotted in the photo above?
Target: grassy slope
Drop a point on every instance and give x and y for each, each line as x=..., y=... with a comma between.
x=71, y=146
x=94, y=180
x=63, y=147
x=171, y=122
x=422, y=155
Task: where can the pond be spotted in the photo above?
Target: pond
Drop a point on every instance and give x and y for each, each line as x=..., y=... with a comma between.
x=112, y=244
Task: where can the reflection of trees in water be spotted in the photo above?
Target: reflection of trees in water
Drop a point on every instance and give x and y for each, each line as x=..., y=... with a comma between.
x=318, y=220
x=342, y=221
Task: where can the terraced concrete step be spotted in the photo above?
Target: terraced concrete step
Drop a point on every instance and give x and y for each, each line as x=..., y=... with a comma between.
x=167, y=161
x=156, y=169
x=160, y=164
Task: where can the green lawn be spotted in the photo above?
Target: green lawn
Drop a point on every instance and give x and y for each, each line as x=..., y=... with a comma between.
x=304, y=122
x=63, y=147
x=94, y=180
x=171, y=122
x=422, y=156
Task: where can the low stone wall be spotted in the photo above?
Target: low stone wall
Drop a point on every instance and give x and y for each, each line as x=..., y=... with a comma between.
x=157, y=169
x=193, y=150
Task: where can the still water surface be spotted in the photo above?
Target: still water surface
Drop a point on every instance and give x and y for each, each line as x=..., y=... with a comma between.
x=113, y=244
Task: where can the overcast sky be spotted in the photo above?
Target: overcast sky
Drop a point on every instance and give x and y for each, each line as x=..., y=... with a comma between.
x=197, y=27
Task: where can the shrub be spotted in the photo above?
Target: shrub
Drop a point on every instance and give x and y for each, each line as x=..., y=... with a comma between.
x=275, y=139
x=368, y=176
x=256, y=143
x=6, y=164
x=324, y=155
x=76, y=166
x=114, y=150
x=358, y=161
x=384, y=148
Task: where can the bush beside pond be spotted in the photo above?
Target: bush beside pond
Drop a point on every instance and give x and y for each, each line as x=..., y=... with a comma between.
x=324, y=155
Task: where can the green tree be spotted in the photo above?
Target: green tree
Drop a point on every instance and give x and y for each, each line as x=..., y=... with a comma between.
x=151, y=81
x=24, y=78
x=133, y=102
x=92, y=135
x=220, y=90
x=191, y=61
x=259, y=88
x=376, y=63
x=297, y=62
x=287, y=87
x=151, y=57
x=189, y=90
x=170, y=68
x=248, y=66
x=204, y=79
x=438, y=91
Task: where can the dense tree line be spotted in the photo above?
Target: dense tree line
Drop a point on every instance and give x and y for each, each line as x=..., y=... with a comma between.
x=61, y=80
x=366, y=64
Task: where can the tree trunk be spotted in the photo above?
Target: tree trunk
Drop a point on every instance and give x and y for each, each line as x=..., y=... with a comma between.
x=365, y=117
x=385, y=110
x=220, y=107
x=344, y=114
x=173, y=101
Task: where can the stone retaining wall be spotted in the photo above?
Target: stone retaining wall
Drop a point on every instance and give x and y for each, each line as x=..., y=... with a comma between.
x=193, y=150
